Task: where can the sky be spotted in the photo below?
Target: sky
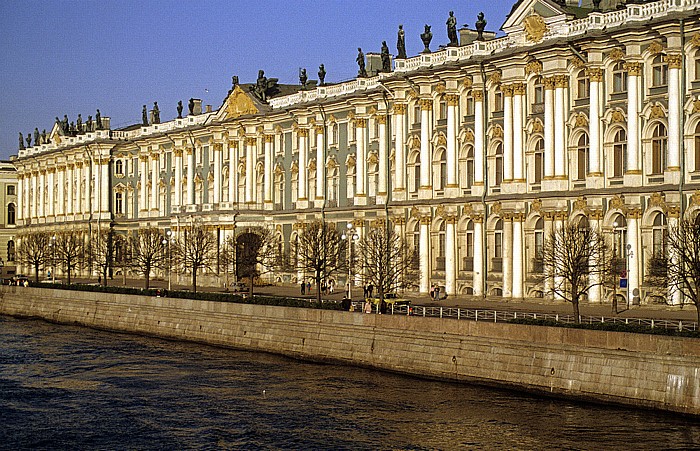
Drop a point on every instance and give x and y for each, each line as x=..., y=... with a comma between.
x=70, y=57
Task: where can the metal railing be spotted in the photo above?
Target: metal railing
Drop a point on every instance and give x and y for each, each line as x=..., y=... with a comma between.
x=495, y=316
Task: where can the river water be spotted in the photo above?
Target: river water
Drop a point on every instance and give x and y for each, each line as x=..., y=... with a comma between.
x=64, y=387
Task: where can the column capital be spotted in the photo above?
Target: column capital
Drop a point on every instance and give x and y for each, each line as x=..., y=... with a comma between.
x=507, y=90
x=634, y=213
x=271, y=138
x=478, y=218
x=674, y=60
x=425, y=220
x=452, y=99
x=143, y=158
x=303, y=132
x=633, y=69
x=177, y=151
x=561, y=81
x=361, y=122
x=218, y=147
x=189, y=150
x=595, y=74
x=251, y=141
x=426, y=104
x=381, y=119
x=399, y=108
x=519, y=89
x=549, y=82
x=318, y=129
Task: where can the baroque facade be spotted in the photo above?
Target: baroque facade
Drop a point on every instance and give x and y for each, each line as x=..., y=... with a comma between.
x=480, y=150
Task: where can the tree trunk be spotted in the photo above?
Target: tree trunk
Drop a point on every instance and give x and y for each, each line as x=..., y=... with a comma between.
x=148, y=277
x=577, y=314
x=250, y=290
x=36, y=273
x=194, y=279
x=318, y=286
x=68, y=274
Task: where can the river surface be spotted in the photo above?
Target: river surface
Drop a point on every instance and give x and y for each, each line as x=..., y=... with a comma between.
x=65, y=387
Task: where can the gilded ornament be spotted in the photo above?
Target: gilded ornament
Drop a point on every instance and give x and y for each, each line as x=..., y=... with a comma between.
x=440, y=211
x=658, y=200
x=617, y=116
x=581, y=120
x=535, y=28
x=695, y=199
x=400, y=108
x=561, y=81
x=441, y=141
x=478, y=95
x=312, y=165
x=452, y=99
x=497, y=132
x=696, y=106
x=440, y=88
x=533, y=67
x=595, y=74
x=497, y=208
x=468, y=209
x=618, y=203
x=537, y=127
x=507, y=90
x=415, y=213
x=581, y=204
x=467, y=83
x=674, y=61
x=536, y=205
x=655, y=48
x=495, y=77
x=633, y=69
x=426, y=104
x=361, y=122
x=350, y=162
x=469, y=136
x=302, y=132
x=381, y=120
x=577, y=62
x=549, y=82
x=657, y=112
x=616, y=54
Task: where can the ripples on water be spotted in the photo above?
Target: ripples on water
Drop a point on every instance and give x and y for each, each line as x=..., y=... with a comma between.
x=65, y=387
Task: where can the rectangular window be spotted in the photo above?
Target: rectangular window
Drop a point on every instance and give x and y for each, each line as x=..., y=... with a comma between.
x=584, y=88
x=539, y=94
x=11, y=190
x=470, y=106
x=538, y=167
x=498, y=101
x=619, y=82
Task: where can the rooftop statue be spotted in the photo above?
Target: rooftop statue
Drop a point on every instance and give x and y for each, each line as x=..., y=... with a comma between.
x=144, y=116
x=89, y=124
x=386, y=58
x=190, y=106
x=303, y=78
x=156, y=113
x=44, y=138
x=98, y=120
x=29, y=140
x=64, y=124
x=321, y=75
x=480, y=26
x=21, y=141
x=179, y=109
x=37, y=140
x=362, y=72
x=263, y=87
x=234, y=81
x=78, y=123
x=452, y=29
x=401, y=43
x=426, y=37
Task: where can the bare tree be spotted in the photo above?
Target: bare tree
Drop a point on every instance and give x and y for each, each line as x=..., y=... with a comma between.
x=320, y=250
x=195, y=250
x=388, y=261
x=148, y=252
x=256, y=253
x=227, y=257
x=70, y=251
x=35, y=251
x=123, y=254
x=102, y=251
x=573, y=258
x=683, y=264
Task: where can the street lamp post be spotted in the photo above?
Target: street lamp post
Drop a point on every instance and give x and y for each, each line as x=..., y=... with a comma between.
x=614, y=299
x=53, y=259
x=166, y=242
x=350, y=235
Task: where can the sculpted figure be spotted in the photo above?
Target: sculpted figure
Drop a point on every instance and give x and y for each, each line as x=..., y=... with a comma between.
x=88, y=124
x=322, y=75
x=401, y=43
x=426, y=37
x=179, y=109
x=480, y=26
x=21, y=141
x=303, y=78
x=144, y=116
x=234, y=81
x=156, y=113
x=44, y=139
x=64, y=124
x=386, y=58
x=452, y=29
x=190, y=106
x=361, y=63
x=29, y=139
x=36, y=137
x=98, y=120
x=79, y=123
x=261, y=86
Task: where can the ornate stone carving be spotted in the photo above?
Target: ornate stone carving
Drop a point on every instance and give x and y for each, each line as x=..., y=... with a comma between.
x=441, y=141
x=695, y=40
x=533, y=67
x=303, y=132
x=581, y=204
x=269, y=138
x=239, y=104
x=399, y=108
x=634, y=69
x=695, y=199
x=675, y=61
x=519, y=89
x=537, y=127
x=581, y=120
x=595, y=74
x=452, y=99
x=658, y=200
x=468, y=209
x=361, y=122
x=495, y=77
x=440, y=211
x=657, y=112
x=536, y=205
x=415, y=213
x=478, y=95
x=318, y=129
x=440, y=88
x=617, y=117
x=426, y=104
x=250, y=141
x=616, y=54
x=467, y=83
x=548, y=82
x=535, y=28
x=469, y=136
x=696, y=106
x=577, y=62
x=655, y=48
x=381, y=120
x=618, y=203
x=497, y=132
x=497, y=208
x=561, y=81
x=507, y=90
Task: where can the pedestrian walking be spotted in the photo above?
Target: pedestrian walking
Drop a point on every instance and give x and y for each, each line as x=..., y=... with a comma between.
x=331, y=286
x=432, y=292
x=368, y=306
x=347, y=290
x=370, y=289
x=303, y=287
x=308, y=287
x=437, y=292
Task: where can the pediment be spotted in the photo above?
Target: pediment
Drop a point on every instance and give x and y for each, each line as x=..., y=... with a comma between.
x=238, y=103
x=526, y=12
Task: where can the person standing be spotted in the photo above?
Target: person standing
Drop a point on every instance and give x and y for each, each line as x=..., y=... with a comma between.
x=303, y=287
x=368, y=306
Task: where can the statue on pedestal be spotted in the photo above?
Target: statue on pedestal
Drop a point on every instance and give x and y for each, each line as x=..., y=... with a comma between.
x=386, y=58
x=303, y=78
x=321, y=75
x=234, y=81
x=452, y=29
x=98, y=120
x=261, y=86
x=44, y=139
x=36, y=136
x=401, y=43
x=179, y=109
x=78, y=123
x=89, y=124
x=480, y=26
x=426, y=37
x=190, y=106
x=29, y=139
x=21, y=141
x=362, y=72
x=64, y=124
x=144, y=116
x=156, y=113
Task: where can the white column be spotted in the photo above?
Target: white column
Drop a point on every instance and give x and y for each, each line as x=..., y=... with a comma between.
x=42, y=200
x=383, y=156
x=320, y=164
x=20, y=197
x=303, y=135
x=479, y=138
x=178, y=176
x=71, y=195
x=594, y=293
x=633, y=254
x=450, y=260
x=233, y=172
x=155, y=170
x=674, y=109
x=507, y=132
x=560, y=115
x=143, y=201
x=451, y=160
x=518, y=265
x=478, y=279
x=105, y=185
x=507, y=257
x=518, y=149
x=634, y=70
x=61, y=204
x=424, y=254
x=87, y=169
x=35, y=196
x=96, y=173
x=400, y=155
x=50, y=182
x=549, y=127
x=361, y=162
x=218, y=154
x=596, y=77
x=426, y=107
x=250, y=170
x=190, y=175
x=269, y=158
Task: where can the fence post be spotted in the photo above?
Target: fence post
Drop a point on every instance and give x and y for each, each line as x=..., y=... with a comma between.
x=423, y=312
x=459, y=310
x=476, y=315
x=652, y=323
x=680, y=326
x=440, y=312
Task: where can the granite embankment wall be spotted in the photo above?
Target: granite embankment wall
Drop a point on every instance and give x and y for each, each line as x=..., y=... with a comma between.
x=654, y=371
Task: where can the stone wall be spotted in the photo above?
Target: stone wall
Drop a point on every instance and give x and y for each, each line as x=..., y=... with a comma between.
x=654, y=371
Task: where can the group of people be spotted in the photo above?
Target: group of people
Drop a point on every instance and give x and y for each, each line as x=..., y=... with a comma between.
x=326, y=287
x=435, y=292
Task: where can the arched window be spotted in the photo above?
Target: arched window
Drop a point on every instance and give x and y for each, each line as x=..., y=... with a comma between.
x=119, y=167
x=582, y=150
x=659, y=72
x=619, y=78
x=440, y=170
x=659, y=235
x=498, y=246
x=619, y=152
x=583, y=85
x=334, y=134
x=539, y=160
x=10, y=251
x=119, y=203
x=498, y=100
x=440, y=259
x=469, y=104
x=659, y=142
x=416, y=245
x=619, y=237
x=468, y=259
x=697, y=65
x=538, y=264
x=443, y=110
x=11, y=214
x=539, y=95
x=414, y=173
x=499, y=165
x=470, y=166
x=697, y=145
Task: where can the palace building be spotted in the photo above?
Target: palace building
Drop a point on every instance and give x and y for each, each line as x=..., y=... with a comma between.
x=576, y=113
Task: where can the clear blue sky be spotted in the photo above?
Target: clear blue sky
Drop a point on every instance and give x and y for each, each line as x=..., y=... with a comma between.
x=70, y=57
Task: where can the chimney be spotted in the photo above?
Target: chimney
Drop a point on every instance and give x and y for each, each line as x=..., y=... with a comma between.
x=197, y=107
